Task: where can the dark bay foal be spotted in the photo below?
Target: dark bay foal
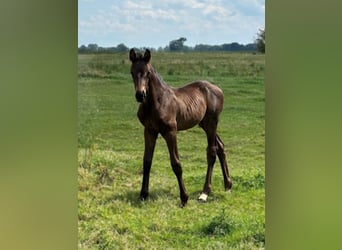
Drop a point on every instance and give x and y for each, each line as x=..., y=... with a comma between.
x=165, y=110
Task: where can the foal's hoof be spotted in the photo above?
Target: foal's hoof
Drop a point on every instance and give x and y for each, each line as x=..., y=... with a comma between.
x=184, y=200
x=143, y=197
x=182, y=205
x=203, y=198
x=228, y=185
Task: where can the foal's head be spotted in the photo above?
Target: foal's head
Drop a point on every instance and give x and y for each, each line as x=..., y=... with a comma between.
x=140, y=71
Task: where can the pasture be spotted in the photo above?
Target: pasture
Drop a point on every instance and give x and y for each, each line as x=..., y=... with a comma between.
x=111, y=145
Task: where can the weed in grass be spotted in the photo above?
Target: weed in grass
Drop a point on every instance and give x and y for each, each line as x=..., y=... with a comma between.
x=104, y=176
x=236, y=231
x=87, y=158
x=220, y=225
x=249, y=182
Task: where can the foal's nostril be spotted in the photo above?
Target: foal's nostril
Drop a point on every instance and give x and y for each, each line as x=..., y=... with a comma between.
x=140, y=96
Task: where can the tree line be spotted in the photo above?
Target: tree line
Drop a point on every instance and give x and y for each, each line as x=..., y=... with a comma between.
x=94, y=48
x=178, y=45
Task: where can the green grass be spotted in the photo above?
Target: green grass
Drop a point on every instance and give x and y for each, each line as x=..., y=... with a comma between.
x=111, y=150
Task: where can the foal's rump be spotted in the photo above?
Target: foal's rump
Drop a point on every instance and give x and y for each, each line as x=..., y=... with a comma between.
x=214, y=97
x=195, y=101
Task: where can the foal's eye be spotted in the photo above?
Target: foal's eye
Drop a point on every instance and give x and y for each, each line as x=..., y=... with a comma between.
x=148, y=73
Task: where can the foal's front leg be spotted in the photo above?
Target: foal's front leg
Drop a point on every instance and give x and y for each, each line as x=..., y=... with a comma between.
x=171, y=140
x=150, y=142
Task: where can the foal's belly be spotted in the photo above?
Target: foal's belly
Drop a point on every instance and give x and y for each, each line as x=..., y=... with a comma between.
x=182, y=126
x=184, y=123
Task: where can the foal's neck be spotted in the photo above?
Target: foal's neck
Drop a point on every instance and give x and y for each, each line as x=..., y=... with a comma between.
x=157, y=88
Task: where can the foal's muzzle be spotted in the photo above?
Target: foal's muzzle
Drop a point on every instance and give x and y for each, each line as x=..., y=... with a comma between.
x=140, y=96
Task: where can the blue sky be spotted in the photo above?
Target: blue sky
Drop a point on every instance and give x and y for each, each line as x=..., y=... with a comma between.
x=142, y=23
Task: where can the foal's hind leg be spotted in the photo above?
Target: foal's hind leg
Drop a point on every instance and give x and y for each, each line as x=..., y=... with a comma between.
x=209, y=125
x=224, y=166
x=215, y=147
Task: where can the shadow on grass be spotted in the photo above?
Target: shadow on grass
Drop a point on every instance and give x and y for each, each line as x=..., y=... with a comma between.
x=133, y=197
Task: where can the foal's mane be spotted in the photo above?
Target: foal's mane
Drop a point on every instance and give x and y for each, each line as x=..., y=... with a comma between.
x=158, y=76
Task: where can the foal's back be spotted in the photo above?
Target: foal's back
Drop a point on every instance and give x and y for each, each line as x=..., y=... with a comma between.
x=196, y=101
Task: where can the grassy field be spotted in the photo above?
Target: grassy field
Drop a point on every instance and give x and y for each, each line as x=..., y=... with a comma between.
x=111, y=145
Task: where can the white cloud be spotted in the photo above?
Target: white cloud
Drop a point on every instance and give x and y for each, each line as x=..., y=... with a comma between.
x=194, y=4
x=154, y=23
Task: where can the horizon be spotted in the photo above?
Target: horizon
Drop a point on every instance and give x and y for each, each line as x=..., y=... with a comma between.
x=154, y=24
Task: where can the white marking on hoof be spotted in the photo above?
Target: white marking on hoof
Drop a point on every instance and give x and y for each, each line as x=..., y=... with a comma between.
x=203, y=197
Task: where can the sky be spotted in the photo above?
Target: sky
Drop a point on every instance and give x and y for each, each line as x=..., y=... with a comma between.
x=143, y=23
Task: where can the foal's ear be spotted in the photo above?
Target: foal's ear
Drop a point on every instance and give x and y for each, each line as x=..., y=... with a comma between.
x=147, y=55
x=132, y=55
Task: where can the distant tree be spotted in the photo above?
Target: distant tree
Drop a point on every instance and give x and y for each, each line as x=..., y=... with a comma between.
x=83, y=49
x=111, y=49
x=225, y=47
x=93, y=47
x=122, y=47
x=250, y=47
x=235, y=46
x=261, y=41
x=202, y=47
x=177, y=45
